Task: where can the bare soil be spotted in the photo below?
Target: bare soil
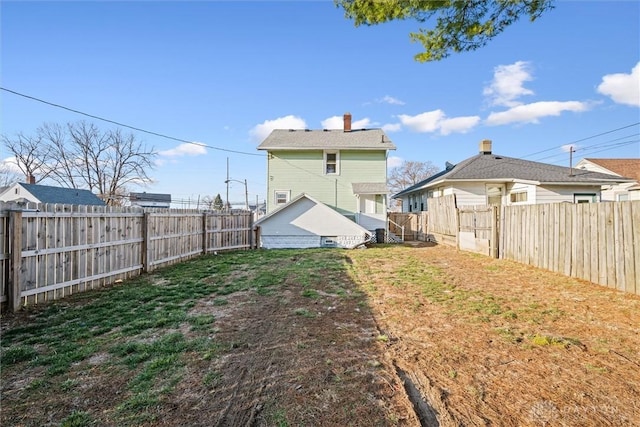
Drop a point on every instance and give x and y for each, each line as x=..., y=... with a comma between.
x=481, y=342
x=538, y=348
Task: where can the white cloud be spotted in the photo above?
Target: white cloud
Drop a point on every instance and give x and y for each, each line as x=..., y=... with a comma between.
x=507, y=85
x=622, y=88
x=458, y=124
x=392, y=127
x=185, y=149
x=10, y=164
x=424, y=122
x=337, y=122
x=361, y=124
x=390, y=100
x=531, y=113
x=436, y=121
x=261, y=131
x=569, y=147
x=394, y=161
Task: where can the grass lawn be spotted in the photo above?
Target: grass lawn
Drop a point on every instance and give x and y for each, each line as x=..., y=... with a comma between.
x=327, y=337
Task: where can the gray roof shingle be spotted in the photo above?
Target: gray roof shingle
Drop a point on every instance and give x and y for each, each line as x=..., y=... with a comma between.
x=495, y=168
x=305, y=139
x=370, y=188
x=66, y=196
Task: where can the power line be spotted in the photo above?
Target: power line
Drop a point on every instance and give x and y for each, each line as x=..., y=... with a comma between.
x=603, y=144
x=33, y=98
x=580, y=140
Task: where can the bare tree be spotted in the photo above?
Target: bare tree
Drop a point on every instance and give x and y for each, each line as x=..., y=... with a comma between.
x=31, y=155
x=81, y=155
x=409, y=173
x=8, y=175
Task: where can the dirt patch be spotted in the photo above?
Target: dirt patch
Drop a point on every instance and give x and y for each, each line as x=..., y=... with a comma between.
x=291, y=360
x=501, y=343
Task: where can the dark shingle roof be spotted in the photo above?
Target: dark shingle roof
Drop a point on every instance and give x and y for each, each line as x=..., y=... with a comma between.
x=492, y=167
x=150, y=197
x=66, y=196
x=362, y=139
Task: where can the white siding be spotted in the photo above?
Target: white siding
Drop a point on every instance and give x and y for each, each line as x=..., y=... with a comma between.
x=469, y=193
x=304, y=223
x=517, y=187
x=609, y=193
x=563, y=193
x=293, y=242
x=371, y=221
x=17, y=192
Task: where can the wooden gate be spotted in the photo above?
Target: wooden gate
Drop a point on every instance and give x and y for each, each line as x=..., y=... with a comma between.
x=479, y=229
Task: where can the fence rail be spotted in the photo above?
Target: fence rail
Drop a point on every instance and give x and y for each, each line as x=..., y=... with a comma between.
x=598, y=242
x=50, y=251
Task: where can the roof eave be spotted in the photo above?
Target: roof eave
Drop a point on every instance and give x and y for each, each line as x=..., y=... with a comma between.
x=324, y=147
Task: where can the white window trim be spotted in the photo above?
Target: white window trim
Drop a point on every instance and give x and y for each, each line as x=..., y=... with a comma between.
x=324, y=163
x=515, y=194
x=585, y=197
x=287, y=194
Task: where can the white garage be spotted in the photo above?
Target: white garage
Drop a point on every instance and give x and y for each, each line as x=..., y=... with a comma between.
x=307, y=223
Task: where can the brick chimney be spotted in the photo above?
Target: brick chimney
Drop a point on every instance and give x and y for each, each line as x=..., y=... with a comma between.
x=347, y=122
x=485, y=146
x=31, y=179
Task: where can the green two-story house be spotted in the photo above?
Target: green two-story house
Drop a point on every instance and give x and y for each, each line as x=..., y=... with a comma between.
x=345, y=169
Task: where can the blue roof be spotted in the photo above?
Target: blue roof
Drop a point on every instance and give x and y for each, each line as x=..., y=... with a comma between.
x=66, y=196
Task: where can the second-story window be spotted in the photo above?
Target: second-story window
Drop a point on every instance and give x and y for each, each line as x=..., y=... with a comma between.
x=331, y=163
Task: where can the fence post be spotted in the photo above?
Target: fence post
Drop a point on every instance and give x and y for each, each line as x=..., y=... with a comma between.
x=204, y=233
x=251, y=231
x=257, y=237
x=146, y=242
x=495, y=248
x=13, y=289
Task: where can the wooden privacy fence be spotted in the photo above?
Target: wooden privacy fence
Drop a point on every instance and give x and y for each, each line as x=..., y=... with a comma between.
x=598, y=242
x=55, y=250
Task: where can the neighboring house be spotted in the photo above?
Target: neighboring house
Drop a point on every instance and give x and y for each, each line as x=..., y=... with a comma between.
x=304, y=222
x=628, y=168
x=344, y=169
x=35, y=193
x=150, y=200
x=490, y=179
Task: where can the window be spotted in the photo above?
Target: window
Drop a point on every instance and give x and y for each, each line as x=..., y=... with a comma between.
x=584, y=198
x=519, y=197
x=282, y=197
x=622, y=197
x=379, y=204
x=494, y=194
x=331, y=163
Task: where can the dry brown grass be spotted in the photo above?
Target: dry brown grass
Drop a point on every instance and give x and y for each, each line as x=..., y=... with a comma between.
x=500, y=343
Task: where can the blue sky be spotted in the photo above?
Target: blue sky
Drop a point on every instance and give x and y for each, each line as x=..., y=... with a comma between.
x=224, y=74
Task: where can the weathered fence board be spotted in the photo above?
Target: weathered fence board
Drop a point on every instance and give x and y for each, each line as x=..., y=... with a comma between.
x=56, y=250
x=598, y=242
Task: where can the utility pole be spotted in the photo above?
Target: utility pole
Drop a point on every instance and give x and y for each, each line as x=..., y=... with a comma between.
x=226, y=202
x=246, y=195
x=571, y=150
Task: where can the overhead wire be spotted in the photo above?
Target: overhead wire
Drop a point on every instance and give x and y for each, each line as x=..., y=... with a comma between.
x=581, y=140
x=93, y=116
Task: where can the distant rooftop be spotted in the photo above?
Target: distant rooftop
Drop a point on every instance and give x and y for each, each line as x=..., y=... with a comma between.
x=305, y=139
x=66, y=196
